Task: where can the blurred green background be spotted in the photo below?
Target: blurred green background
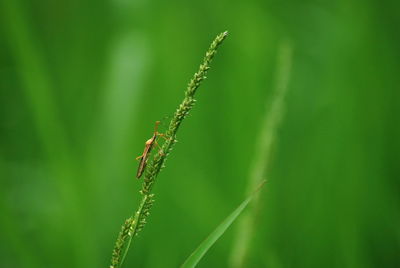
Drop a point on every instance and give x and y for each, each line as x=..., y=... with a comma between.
x=82, y=83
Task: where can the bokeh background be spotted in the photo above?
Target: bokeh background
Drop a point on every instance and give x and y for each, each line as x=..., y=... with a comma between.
x=82, y=83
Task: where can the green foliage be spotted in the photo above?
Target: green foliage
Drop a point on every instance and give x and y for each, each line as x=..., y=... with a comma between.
x=83, y=81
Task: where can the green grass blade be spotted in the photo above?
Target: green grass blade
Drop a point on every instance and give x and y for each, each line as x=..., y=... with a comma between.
x=202, y=249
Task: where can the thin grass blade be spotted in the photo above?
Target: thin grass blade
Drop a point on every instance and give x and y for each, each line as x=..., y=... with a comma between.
x=196, y=256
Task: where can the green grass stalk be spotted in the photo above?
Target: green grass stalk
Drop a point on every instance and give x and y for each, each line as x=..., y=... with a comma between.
x=135, y=223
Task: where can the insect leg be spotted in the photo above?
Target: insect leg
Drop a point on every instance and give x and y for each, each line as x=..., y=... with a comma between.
x=163, y=136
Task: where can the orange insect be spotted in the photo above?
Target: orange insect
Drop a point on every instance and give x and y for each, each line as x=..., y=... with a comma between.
x=147, y=149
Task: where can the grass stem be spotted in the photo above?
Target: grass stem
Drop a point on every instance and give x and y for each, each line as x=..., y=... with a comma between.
x=135, y=223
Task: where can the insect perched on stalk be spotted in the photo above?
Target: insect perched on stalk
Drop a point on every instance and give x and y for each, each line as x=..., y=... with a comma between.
x=147, y=149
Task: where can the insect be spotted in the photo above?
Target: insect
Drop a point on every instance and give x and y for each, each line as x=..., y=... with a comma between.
x=147, y=149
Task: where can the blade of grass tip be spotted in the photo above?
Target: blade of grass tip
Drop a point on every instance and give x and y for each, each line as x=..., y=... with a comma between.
x=272, y=120
x=196, y=256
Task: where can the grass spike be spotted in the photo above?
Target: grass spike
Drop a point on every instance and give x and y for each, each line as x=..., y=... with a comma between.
x=137, y=222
